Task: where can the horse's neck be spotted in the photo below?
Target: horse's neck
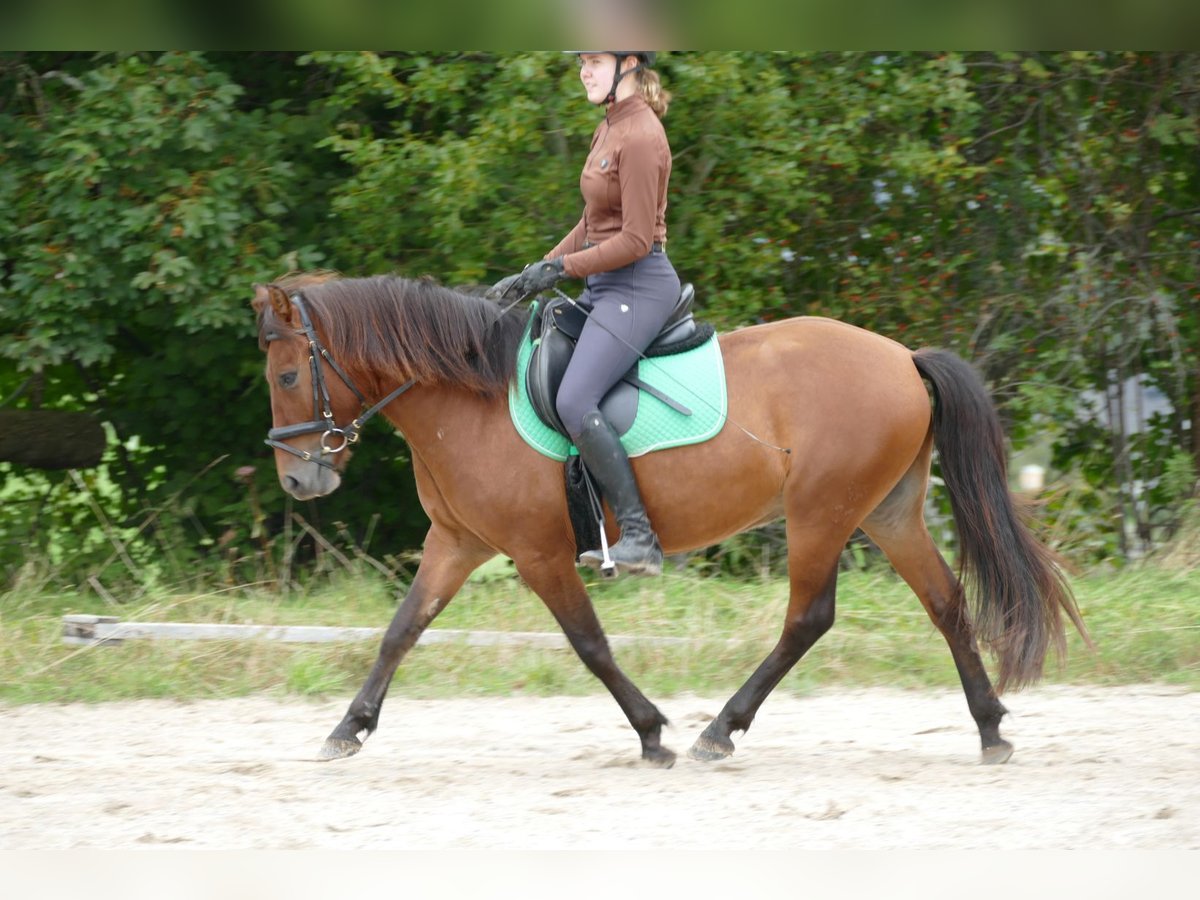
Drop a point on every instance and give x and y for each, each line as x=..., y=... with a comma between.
x=438, y=421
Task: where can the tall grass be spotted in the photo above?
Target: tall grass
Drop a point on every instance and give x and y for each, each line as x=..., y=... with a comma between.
x=1145, y=622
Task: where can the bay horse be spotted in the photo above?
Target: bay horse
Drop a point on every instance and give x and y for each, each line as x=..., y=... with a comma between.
x=829, y=426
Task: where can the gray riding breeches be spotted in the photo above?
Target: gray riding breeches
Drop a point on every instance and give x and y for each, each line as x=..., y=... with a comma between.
x=628, y=307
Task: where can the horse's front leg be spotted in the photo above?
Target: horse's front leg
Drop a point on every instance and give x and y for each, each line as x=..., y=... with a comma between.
x=561, y=589
x=446, y=562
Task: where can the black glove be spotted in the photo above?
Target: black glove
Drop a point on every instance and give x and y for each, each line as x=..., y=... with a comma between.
x=534, y=278
x=502, y=287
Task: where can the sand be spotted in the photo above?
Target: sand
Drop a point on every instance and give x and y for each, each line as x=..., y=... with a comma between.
x=1095, y=768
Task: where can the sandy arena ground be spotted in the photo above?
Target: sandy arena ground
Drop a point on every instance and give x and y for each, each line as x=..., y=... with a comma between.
x=1094, y=768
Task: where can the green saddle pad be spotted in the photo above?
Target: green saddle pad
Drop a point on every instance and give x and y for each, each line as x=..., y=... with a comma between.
x=695, y=379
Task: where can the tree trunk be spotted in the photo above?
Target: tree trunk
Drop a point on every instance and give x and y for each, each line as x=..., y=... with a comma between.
x=50, y=439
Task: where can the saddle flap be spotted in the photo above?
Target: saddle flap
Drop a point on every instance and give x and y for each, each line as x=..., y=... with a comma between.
x=556, y=328
x=551, y=353
x=548, y=364
x=565, y=317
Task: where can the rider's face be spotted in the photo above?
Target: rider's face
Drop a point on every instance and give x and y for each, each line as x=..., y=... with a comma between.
x=596, y=71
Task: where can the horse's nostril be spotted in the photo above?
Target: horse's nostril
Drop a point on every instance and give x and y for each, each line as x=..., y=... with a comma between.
x=290, y=484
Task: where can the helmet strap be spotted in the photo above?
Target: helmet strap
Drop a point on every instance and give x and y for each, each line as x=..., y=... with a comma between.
x=617, y=76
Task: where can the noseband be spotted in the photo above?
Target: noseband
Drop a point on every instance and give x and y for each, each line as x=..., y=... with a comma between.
x=333, y=439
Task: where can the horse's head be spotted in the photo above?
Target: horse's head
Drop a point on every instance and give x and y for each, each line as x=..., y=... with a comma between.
x=317, y=328
x=311, y=449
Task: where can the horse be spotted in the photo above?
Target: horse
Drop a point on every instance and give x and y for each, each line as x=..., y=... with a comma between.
x=830, y=427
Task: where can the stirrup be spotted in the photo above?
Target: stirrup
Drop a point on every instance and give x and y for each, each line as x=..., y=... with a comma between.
x=608, y=565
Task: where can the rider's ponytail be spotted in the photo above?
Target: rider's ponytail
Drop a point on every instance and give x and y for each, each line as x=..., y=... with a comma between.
x=652, y=91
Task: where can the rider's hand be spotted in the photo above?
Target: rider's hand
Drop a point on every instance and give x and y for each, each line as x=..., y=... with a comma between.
x=502, y=287
x=535, y=277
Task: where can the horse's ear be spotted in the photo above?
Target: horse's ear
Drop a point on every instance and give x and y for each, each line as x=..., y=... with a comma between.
x=276, y=296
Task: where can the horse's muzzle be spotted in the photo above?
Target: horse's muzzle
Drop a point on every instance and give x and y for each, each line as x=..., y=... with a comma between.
x=307, y=481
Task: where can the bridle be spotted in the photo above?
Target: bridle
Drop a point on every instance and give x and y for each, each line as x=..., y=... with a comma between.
x=322, y=419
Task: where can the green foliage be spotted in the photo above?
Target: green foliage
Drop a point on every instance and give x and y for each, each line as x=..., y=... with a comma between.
x=147, y=202
x=1035, y=212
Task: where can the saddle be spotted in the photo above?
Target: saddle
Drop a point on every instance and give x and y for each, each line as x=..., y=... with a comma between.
x=555, y=330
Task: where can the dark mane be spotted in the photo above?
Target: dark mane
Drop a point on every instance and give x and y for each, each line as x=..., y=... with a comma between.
x=399, y=328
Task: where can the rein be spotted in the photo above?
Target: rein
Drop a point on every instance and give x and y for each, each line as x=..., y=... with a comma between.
x=322, y=419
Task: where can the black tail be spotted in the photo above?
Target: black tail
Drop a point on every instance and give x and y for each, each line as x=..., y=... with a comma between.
x=1014, y=584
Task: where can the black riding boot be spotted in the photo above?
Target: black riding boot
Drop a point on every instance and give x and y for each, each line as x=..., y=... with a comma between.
x=638, y=551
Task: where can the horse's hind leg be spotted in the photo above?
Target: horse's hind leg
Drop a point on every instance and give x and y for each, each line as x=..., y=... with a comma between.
x=812, y=572
x=562, y=590
x=898, y=527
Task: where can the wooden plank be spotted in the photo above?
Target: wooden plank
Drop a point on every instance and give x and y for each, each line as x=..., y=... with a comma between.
x=51, y=438
x=81, y=629
x=116, y=632
x=88, y=629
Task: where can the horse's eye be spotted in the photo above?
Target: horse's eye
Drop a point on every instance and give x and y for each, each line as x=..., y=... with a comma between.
x=288, y=379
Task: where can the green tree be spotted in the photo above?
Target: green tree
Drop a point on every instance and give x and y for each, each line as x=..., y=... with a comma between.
x=143, y=203
x=1036, y=212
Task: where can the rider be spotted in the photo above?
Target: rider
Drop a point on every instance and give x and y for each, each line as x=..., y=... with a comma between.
x=617, y=247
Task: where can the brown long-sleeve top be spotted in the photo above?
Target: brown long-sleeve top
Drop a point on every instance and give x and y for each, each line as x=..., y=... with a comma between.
x=624, y=187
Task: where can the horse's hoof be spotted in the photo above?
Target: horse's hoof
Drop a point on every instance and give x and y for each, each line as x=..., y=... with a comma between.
x=707, y=749
x=996, y=754
x=659, y=757
x=336, y=748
